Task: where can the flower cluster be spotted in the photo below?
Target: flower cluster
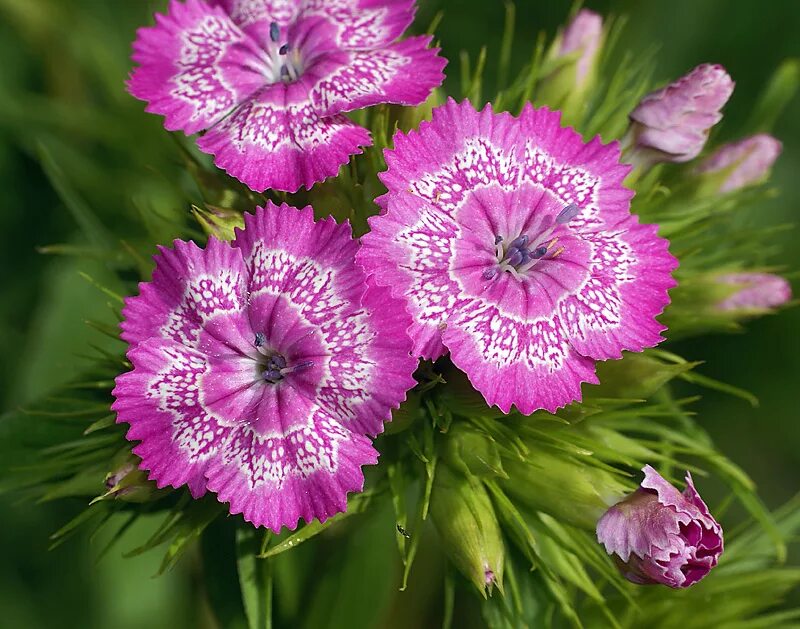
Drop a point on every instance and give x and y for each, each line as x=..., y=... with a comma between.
x=261, y=366
x=505, y=246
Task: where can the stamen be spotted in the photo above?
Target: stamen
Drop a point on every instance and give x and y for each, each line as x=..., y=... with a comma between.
x=260, y=339
x=539, y=252
x=283, y=49
x=498, y=239
x=519, y=242
x=274, y=32
x=567, y=214
x=297, y=368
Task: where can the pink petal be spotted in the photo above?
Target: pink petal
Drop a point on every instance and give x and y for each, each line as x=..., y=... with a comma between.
x=276, y=140
x=195, y=66
x=189, y=286
x=275, y=478
x=403, y=73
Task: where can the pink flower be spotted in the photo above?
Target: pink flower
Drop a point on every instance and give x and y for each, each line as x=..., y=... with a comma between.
x=512, y=242
x=658, y=535
x=583, y=33
x=259, y=367
x=672, y=124
x=269, y=81
x=747, y=161
x=756, y=291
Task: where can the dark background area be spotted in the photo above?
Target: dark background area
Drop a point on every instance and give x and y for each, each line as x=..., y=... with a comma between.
x=61, y=82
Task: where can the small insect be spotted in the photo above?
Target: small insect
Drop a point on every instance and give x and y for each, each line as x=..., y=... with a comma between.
x=403, y=532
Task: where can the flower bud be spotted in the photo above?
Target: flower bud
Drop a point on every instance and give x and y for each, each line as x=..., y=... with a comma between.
x=658, y=535
x=127, y=482
x=472, y=452
x=218, y=222
x=754, y=292
x=573, y=62
x=672, y=124
x=579, y=496
x=465, y=519
x=742, y=163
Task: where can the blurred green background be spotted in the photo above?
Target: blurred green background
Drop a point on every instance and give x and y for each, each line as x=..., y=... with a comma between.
x=63, y=104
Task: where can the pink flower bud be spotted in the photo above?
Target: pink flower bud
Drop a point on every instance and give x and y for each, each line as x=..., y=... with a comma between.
x=747, y=161
x=584, y=33
x=757, y=291
x=658, y=535
x=673, y=123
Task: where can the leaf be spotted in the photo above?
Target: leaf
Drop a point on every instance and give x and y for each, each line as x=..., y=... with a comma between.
x=255, y=578
x=357, y=503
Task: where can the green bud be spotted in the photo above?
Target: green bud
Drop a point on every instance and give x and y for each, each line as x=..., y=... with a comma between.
x=569, y=71
x=410, y=117
x=562, y=486
x=127, y=482
x=472, y=452
x=636, y=376
x=465, y=519
x=218, y=222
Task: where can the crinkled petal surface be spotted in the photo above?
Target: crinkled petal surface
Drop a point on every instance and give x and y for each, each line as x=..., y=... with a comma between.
x=468, y=183
x=660, y=535
x=262, y=367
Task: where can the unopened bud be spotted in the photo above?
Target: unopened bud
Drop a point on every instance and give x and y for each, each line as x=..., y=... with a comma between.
x=218, y=222
x=472, y=452
x=572, y=63
x=127, y=482
x=672, y=124
x=467, y=525
x=659, y=535
x=741, y=163
x=562, y=486
x=753, y=292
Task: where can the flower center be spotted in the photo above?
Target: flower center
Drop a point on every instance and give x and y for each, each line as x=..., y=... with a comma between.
x=285, y=61
x=520, y=255
x=274, y=366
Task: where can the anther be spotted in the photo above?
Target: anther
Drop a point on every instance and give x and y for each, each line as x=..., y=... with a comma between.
x=274, y=32
x=283, y=49
x=567, y=214
x=260, y=339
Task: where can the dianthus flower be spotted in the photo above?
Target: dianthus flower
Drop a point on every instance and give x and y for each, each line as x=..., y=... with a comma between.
x=260, y=367
x=513, y=244
x=660, y=535
x=268, y=81
x=754, y=291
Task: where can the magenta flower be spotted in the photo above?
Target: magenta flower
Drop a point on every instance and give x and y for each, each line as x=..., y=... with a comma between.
x=259, y=367
x=672, y=124
x=513, y=244
x=747, y=161
x=268, y=81
x=755, y=291
x=583, y=33
x=658, y=535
